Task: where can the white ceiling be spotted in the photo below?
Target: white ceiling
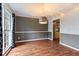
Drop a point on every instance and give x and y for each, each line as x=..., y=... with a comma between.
x=42, y=9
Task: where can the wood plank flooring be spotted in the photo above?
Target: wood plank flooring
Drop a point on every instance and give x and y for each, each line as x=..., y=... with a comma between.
x=42, y=48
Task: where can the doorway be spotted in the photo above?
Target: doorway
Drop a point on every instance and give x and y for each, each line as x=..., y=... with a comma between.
x=56, y=30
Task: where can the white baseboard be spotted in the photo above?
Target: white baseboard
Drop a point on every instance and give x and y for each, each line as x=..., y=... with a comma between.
x=6, y=53
x=69, y=46
x=33, y=40
x=51, y=39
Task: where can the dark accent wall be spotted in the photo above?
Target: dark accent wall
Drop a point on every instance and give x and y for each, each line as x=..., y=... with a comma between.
x=30, y=24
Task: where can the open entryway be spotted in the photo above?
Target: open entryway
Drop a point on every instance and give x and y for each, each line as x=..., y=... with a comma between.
x=56, y=29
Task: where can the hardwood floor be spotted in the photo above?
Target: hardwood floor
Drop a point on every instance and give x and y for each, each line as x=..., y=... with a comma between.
x=42, y=48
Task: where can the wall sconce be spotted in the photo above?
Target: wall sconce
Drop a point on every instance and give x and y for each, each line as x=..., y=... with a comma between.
x=43, y=20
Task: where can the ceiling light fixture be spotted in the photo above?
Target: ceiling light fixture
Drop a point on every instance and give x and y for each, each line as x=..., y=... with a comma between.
x=43, y=20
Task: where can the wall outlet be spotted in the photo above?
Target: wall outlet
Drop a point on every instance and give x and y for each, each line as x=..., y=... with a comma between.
x=19, y=38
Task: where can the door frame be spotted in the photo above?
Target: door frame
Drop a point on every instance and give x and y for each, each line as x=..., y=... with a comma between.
x=59, y=28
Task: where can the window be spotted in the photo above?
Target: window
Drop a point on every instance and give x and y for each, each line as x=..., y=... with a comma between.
x=7, y=40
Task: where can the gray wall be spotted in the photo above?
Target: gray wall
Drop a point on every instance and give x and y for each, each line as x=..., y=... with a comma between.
x=70, y=28
x=26, y=36
x=30, y=24
x=70, y=39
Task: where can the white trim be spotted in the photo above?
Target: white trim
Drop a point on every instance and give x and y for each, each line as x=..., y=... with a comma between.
x=29, y=31
x=6, y=6
x=70, y=33
x=33, y=40
x=69, y=46
x=51, y=39
x=6, y=52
